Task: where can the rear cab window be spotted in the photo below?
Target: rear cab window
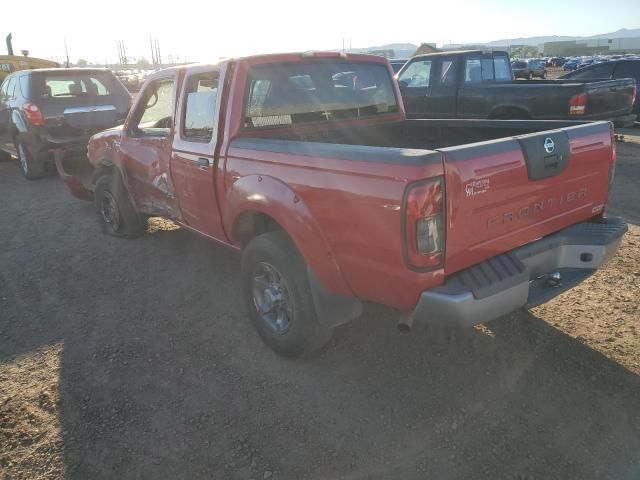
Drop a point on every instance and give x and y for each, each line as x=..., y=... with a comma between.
x=501, y=68
x=316, y=91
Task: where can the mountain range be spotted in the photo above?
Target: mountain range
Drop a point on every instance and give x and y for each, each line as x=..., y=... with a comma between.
x=407, y=49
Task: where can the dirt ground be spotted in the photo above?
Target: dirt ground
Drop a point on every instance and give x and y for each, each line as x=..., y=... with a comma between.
x=134, y=359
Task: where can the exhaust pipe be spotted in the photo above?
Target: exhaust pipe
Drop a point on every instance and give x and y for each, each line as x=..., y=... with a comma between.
x=9, y=45
x=405, y=324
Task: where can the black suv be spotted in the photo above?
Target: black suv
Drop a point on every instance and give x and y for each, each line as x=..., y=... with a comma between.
x=42, y=110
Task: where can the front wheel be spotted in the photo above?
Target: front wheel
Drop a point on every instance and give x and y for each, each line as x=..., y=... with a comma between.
x=32, y=167
x=278, y=297
x=115, y=211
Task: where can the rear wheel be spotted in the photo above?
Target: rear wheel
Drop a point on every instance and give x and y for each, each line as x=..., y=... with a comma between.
x=32, y=167
x=278, y=297
x=115, y=211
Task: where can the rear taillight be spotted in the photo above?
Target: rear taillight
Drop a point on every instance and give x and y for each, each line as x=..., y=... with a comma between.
x=33, y=114
x=424, y=224
x=578, y=104
x=634, y=94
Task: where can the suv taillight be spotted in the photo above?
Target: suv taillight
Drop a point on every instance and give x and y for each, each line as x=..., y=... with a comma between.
x=33, y=114
x=578, y=104
x=424, y=223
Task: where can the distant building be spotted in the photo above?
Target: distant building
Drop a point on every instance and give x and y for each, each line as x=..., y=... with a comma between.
x=592, y=46
x=382, y=53
x=426, y=48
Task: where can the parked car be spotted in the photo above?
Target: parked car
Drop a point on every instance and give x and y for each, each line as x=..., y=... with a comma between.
x=615, y=69
x=556, y=61
x=334, y=198
x=585, y=62
x=520, y=69
x=570, y=64
x=58, y=107
x=537, y=68
x=477, y=84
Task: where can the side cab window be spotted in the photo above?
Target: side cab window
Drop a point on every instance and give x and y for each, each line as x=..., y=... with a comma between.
x=417, y=74
x=199, y=107
x=154, y=114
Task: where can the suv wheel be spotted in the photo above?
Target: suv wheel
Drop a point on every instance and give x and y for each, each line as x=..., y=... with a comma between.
x=32, y=168
x=115, y=211
x=278, y=297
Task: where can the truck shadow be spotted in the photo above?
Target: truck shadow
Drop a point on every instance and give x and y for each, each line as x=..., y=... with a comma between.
x=172, y=382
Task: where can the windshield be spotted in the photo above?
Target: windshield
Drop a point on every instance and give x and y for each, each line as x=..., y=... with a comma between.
x=292, y=93
x=519, y=65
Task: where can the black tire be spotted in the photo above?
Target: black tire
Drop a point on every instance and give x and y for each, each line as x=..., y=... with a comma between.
x=530, y=76
x=32, y=167
x=302, y=333
x=115, y=211
x=544, y=75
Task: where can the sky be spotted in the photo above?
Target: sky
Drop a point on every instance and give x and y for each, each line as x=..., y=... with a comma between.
x=207, y=30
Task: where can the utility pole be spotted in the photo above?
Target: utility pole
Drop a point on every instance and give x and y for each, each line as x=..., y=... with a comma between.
x=66, y=51
x=158, y=55
x=153, y=54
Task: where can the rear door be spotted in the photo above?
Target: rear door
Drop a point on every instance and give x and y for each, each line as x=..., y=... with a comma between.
x=505, y=193
x=194, y=161
x=474, y=99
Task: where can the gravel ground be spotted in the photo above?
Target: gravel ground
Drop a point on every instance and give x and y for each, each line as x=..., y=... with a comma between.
x=133, y=359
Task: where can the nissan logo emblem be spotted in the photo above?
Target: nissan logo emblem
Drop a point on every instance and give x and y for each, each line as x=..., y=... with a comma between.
x=549, y=146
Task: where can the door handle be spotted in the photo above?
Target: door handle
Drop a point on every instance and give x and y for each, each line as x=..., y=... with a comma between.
x=203, y=162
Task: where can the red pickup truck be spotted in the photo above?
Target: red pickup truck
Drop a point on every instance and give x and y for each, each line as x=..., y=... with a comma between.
x=307, y=165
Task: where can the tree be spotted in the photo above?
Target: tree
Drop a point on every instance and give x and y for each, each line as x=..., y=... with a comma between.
x=143, y=63
x=82, y=62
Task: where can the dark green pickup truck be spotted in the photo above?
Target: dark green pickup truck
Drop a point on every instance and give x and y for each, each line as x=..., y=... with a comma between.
x=477, y=84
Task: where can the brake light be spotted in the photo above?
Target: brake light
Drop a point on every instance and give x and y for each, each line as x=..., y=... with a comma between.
x=424, y=224
x=33, y=114
x=578, y=104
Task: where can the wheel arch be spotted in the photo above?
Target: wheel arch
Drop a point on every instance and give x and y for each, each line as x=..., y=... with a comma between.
x=257, y=204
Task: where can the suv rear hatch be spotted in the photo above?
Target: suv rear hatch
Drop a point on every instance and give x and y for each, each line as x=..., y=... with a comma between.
x=506, y=193
x=79, y=102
